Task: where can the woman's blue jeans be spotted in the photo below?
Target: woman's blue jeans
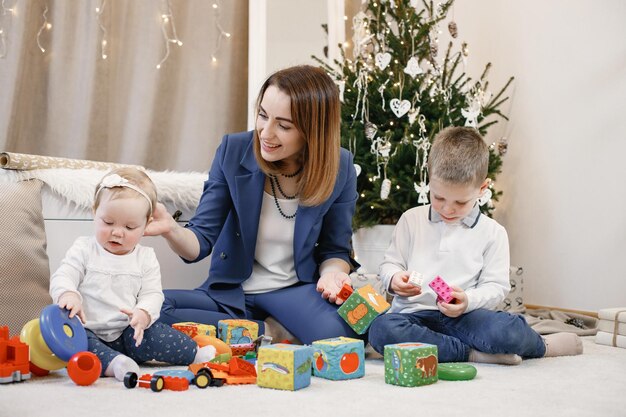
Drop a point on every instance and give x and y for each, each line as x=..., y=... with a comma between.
x=300, y=308
x=483, y=330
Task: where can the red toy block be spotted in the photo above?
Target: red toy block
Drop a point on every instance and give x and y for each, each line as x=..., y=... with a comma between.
x=14, y=356
x=345, y=292
x=442, y=289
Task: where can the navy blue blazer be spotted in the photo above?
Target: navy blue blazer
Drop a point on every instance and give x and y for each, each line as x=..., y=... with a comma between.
x=227, y=219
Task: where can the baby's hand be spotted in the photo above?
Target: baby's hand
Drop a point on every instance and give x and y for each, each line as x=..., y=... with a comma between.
x=70, y=300
x=458, y=305
x=139, y=320
x=400, y=285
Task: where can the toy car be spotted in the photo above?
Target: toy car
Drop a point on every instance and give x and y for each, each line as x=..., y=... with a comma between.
x=236, y=371
x=175, y=380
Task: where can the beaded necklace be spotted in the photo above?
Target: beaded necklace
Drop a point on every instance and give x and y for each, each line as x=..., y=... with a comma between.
x=294, y=174
x=274, y=178
x=280, y=210
x=274, y=183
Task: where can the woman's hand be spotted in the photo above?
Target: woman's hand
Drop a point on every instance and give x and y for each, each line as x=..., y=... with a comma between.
x=162, y=222
x=330, y=283
x=70, y=300
x=139, y=320
x=457, y=306
x=400, y=285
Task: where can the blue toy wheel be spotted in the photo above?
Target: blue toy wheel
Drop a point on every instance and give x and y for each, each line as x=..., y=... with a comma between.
x=64, y=336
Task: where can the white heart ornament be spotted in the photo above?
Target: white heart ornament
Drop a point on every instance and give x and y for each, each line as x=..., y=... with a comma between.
x=357, y=168
x=413, y=68
x=382, y=60
x=485, y=197
x=399, y=108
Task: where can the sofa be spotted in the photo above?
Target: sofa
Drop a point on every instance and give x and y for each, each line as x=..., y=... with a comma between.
x=42, y=212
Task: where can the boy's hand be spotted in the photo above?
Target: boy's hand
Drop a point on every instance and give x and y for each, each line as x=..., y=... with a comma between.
x=70, y=300
x=458, y=305
x=330, y=283
x=139, y=320
x=400, y=285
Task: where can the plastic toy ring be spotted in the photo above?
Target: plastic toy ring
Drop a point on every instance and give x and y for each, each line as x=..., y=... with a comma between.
x=40, y=354
x=64, y=336
x=84, y=368
x=456, y=371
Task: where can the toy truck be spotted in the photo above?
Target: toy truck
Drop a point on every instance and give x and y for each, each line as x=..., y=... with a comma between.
x=236, y=371
x=13, y=358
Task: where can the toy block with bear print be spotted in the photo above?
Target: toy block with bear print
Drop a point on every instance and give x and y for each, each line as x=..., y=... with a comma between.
x=284, y=366
x=362, y=307
x=339, y=358
x=193, y=329
x=411, y=364
x=237, y=331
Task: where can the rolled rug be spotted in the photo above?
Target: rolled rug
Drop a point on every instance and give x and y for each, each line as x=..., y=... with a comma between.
x=22, y=161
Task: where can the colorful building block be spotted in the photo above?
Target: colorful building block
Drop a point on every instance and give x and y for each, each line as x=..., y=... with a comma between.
x=339, y=358
x=13, y=358
x=416, y=279
x=442, y=289
x=237, y=331
x=411, y=364
x=284, y=366
x=362, y=307
x=193, y=329
x=345, y=292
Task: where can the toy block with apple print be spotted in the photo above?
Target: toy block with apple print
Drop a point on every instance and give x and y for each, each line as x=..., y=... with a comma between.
x=339, y=358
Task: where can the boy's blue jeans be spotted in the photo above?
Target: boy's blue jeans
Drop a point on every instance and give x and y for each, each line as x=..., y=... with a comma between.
x=483, y=330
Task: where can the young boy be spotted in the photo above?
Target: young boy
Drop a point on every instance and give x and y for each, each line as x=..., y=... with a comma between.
x=450, y=238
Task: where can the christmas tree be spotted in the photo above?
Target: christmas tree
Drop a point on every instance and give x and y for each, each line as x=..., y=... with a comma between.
x=398, y=91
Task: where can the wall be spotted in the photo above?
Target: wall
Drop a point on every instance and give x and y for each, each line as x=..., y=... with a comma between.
x=282, y=33
x=563, y=195
x=563, y=201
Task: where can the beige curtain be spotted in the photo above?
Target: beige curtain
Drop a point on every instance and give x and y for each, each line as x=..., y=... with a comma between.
x=69, y=102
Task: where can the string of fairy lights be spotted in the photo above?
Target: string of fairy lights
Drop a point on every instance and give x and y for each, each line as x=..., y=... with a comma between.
x=222, y=34
x=165, y=16
x=6, y=13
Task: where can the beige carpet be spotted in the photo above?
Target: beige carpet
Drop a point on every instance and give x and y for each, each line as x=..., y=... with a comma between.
x=593, y=384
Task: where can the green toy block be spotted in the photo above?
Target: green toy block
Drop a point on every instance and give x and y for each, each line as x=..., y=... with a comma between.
x=411, y=364
x=362, y=307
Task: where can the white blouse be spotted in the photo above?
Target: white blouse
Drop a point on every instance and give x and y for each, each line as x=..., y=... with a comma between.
x=274, y=267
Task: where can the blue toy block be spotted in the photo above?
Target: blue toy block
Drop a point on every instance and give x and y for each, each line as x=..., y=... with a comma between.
x=339, y=358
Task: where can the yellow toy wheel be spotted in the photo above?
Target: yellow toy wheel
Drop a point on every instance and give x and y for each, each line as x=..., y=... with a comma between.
x=40, y=354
